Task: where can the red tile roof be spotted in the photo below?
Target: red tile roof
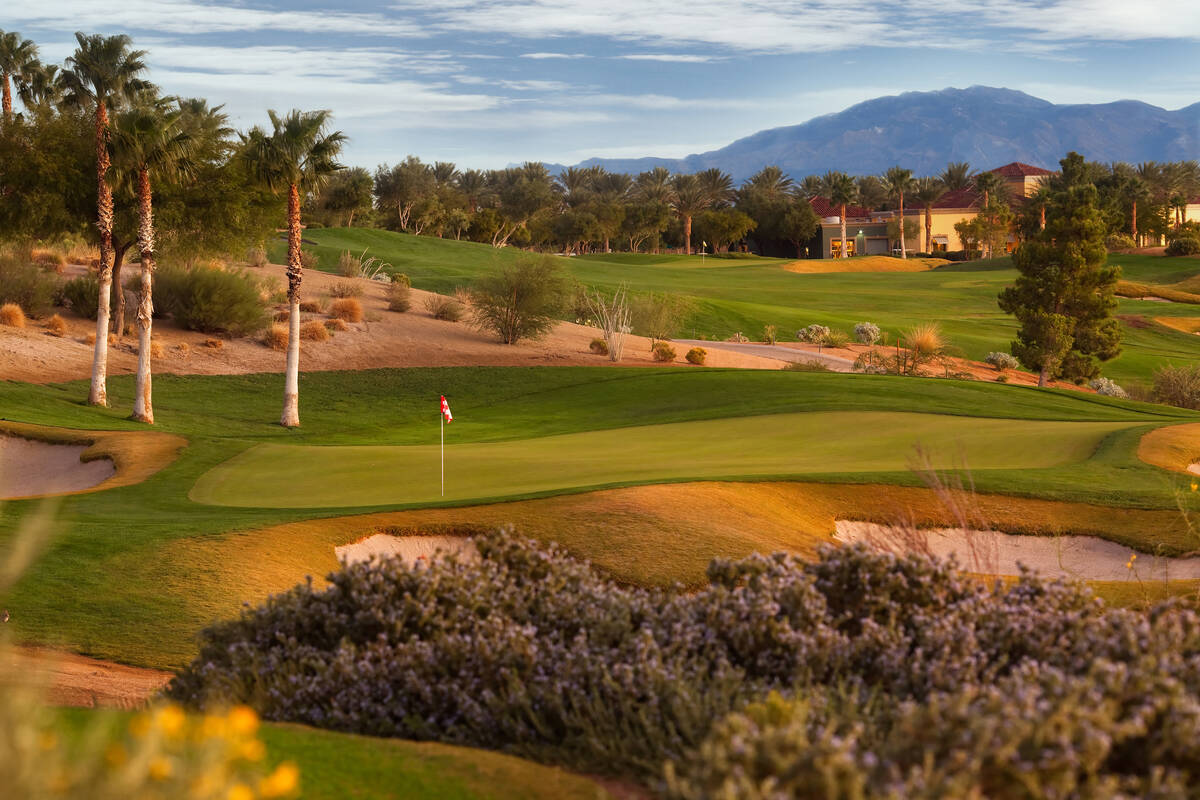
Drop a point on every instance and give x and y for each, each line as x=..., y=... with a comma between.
x=959, y=198
x=1018, y=170
x=826, y=209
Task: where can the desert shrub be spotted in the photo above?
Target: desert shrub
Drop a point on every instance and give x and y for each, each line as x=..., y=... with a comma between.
x=276, y=337
x=1183, y=246
x=82, y=295
x=837, y=339
x=25, y=284
x=346, y=289
x=12, y=316
x=314, y=331
x=56, y=325
x=1001, y=361
x=51, y=260
x=349, y=265
x=347, y=309
x=309, y=259
x=925, y=339
x=662, y=351
x=531, y=651
x=445, y=308
x=399, y=296
x=211, y=300
x=1178, y=386
x=1108, y=388
x=599, y=347
x=813, y=334
x=770, y=334
x=214, y=344
x=336, y=325
x=311, y=307
x=1119, y=241
x=257, y=257
x=809, y=365
x=520, y=301
x=696, y=356
x=156, y=349
x=658, y=316
x=866, y=333
x=402, y=279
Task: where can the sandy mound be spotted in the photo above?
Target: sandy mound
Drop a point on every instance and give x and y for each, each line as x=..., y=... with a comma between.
x=996, y=553
x=383, y=339
x=29, y=468
x=864, y=264
x=73, y=680
x=1174, y=447
x=407, y=548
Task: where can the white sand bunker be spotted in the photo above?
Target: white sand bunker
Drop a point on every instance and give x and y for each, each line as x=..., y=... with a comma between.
x=1194, y=468
x=996, y=553
x=29, y=468
x=408, y=548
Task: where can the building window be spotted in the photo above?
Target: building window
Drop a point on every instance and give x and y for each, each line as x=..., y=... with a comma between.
x=836, y=248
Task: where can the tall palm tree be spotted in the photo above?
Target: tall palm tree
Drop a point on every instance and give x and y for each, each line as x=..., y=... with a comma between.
x=872, y=192
x=297, y=154
x=573, y=185
x=41, y=85
x=899, y=181
x=810, y=187
x=992, y=187
x=17, y=57
x=957, y=176
x=690, y=197
x=717, y=185
x=928, y=191
x=654, y=186
x=102, y=75
x=840, y=190
x=771, y=182
x=148, y=141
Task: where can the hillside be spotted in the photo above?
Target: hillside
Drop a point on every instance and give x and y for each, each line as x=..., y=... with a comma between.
x=984, y=126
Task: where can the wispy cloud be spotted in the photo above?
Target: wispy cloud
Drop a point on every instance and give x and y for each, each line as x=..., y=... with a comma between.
x=543, y=56
x=670, y=57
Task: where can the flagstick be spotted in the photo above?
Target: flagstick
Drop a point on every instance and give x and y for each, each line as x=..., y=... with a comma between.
x=443, y=429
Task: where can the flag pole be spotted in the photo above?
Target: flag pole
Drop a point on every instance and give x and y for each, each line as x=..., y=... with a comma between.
x=443, y=430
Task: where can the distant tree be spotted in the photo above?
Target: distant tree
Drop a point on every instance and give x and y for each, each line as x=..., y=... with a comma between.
x=298, y=154
x=927, y=192
x=644, y=221
x=957, y=176
x=723, y=226
x=347, y=194
x=472, y=183
x=873, y=193
x=898, y=182
x=810, y=187
x=17, y=57
x=1064, y=295
x=102, y=74
x=40, y=86
x=574, y=186
x=654, y=186
x=690, y=197
x=769, y=182
x=521, y=300
x=798, y=224
x=840, y=190
x=717, y=185
x=403, y=186
x=897, y=232
x=990, y=185
x=519, y=193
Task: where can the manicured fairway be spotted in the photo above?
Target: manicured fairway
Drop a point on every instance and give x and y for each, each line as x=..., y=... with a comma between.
x=780, y=445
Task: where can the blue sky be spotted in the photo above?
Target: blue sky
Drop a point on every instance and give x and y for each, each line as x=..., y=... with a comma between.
x=485, y=83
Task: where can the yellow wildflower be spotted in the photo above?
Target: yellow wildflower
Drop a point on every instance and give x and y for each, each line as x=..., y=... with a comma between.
x=140, y=726
x=1195, y=486
x=243, y=720
x=253, y=750
x=213, y=726
x=160, y=769
x=240, y=791
x=170, y=720
x=282, y=782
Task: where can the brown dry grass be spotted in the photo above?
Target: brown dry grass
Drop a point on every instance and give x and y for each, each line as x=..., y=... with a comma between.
x=1173, y=447
x=314, y=331
x=12, y=316
x=312, y=307
x=157, y=350
x=1139, y=290
x=56, y=325
x=865, y=264
x=49, y=259
x=276, y=337
x=1182, y=324
x=925, y=339
x=347, y=309
x=336, y=325
x=214, y=344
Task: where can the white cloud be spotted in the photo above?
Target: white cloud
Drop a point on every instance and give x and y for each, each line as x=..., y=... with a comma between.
x=541, y=56
x=670, y=57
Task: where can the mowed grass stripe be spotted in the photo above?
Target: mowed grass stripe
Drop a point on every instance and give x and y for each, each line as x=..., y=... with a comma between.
x=779, y=445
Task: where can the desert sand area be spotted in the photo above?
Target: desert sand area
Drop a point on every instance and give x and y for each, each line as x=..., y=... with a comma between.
x=30, y=468
x=74, y=680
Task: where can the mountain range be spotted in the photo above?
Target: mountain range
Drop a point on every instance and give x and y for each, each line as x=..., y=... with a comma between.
x=922, y=131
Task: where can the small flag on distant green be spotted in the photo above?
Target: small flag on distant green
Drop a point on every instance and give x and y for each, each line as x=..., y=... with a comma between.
x=446, y=410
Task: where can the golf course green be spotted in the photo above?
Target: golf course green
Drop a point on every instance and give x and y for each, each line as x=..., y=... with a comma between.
x=775, y=445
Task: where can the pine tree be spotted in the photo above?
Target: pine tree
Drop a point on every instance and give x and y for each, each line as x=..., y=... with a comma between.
x=1063, y=297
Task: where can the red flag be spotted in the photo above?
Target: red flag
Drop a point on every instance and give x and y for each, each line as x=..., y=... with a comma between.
x=446, y=410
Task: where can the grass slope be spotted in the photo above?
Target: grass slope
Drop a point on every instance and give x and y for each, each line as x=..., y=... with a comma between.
x=731, y=295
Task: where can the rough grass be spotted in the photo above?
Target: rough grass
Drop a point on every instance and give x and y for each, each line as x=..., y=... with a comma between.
x=347, y=309
x=12, y=316
x=314, y=331
x=56, y=325
x=865, y=264
x=1174, y=447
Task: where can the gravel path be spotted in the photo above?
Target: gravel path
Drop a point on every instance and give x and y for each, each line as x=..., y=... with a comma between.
x=835, y=363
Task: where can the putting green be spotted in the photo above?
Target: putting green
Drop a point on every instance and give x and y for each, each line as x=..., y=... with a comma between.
x=290, y=476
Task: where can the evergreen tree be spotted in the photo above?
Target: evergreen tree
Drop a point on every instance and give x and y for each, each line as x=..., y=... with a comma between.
x=1063, y=297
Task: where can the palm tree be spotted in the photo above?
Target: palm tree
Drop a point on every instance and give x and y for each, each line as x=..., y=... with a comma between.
x=690, y=197
x=444, y=172
x=17, y=57
x=297, y=154
x=41, y=85
x=872, y=193
x=654, y=186
x=990, y=185
x=573, y=184
x=148, y=139
x=928, y=191
x=840, y=190
x=810, y=187
x=957, y=176
x=717, y=185
x=771, y=182
x=472, y=183
x=898, y=181
x=103, y=74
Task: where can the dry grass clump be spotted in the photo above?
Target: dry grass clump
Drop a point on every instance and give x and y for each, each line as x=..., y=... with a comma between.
x=446, y=308
x=214, y=344
x=336, y=325
x=183, y=348
x=50, y=260
x=925, y=339
x=346, y=289
x=257, y=257
x=282, y=316
x=399, y=294
x=599, y=347
x=347, y=309
x=56, y=325
x=314, y=331
x=156, y=349
x=91, y=339
x=312, y=306
x=276, y=337
x=12, y=315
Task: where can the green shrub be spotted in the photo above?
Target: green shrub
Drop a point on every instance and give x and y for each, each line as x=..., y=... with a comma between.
x=1183, y=246
x=696, y=356
x=444, y=308
x=25, y=284
x=770, y=334
x=520, y=301
x=837, y=339
x=399, y=296
x=1178, y=386
x=661, y=351
x=1119, y=241
x=599, y=347
x=82, y=295
x=402, y=279
x=211, y=300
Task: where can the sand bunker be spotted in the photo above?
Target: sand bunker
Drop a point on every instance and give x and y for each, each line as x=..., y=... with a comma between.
x=996, y=553
x=29, y=468
x=407, y=548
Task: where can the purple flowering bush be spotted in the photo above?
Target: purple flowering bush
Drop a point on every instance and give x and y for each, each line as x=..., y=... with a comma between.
x=874, y=662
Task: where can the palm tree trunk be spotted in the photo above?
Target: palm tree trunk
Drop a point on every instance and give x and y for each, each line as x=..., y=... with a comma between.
x=118, y=302
x=687, y=234
x=1042, y=217
x=903, y=247
x=98, y=396
x=843, y=219
x=928, y=229
x=291, y=383
x=6, y=96
x=1135, y=241
x=143, y=405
